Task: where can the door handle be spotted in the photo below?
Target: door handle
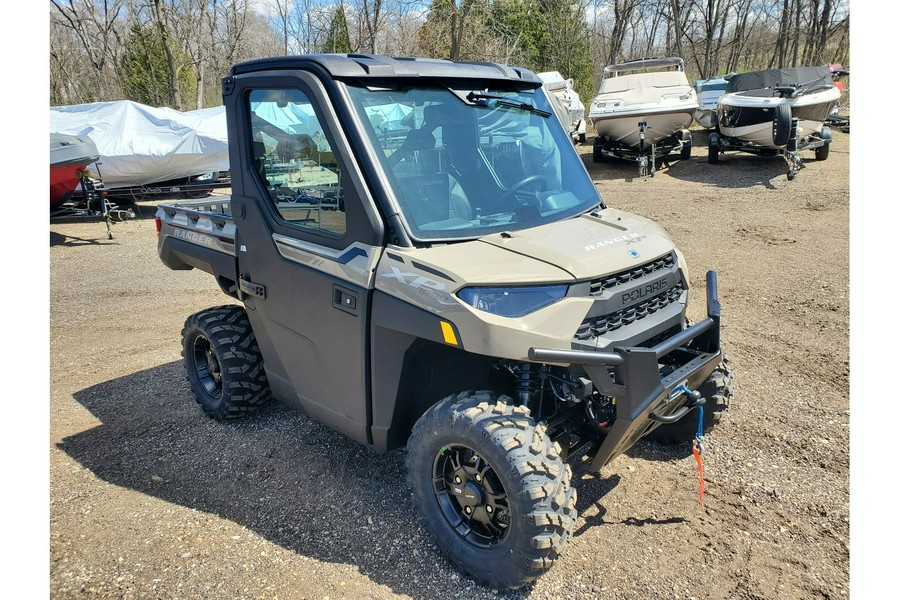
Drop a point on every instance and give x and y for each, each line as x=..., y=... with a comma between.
x=345, y=299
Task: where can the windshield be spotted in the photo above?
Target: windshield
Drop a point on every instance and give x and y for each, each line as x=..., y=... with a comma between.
x=464, y=163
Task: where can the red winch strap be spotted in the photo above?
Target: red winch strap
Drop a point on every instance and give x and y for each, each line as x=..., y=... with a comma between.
x=698, y=456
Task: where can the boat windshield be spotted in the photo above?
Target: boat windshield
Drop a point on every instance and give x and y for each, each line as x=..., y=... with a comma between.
x=463, y=163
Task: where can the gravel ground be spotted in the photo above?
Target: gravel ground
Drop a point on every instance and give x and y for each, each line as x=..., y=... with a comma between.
x=150, y=499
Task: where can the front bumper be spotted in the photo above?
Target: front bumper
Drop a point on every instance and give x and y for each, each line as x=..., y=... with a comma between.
x=646, y=397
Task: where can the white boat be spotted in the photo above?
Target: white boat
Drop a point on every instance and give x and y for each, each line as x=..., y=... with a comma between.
x=142, y=145
x=757, y=107
x=566, y=103
x=643, y=110
x=776, y=111
x=708, y=93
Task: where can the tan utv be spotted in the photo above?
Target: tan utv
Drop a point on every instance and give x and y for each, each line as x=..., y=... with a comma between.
x=422, y=260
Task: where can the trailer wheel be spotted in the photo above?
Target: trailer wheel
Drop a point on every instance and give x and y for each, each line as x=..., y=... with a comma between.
x=493, y=490
x=223, y=363
x=598, y=151
x=823, y=150
x=713, y=157
x=781, y=124
x=717, y=389
x=687, y=140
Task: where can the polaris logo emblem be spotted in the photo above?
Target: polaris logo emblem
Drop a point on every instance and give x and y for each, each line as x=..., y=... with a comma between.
x=631, y=238
x=643, y=292
x=633, y=253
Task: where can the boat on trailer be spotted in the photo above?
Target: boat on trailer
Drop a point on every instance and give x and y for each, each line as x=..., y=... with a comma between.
x=69, y=158
x=643, y=111
x=776, y=111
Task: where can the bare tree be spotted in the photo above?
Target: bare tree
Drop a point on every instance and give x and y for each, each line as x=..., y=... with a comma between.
x=161, y=17
x=622, y=11
x=283, y=10
x=369, y=19
x=95, y=23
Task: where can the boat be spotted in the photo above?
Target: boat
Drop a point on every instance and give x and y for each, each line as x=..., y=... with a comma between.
x=643, y=110
x=147, y=151
x=776, y=111
x=708, y=93
x=566, y=104
x=69, y=158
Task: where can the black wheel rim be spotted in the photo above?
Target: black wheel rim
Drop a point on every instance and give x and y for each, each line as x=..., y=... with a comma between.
x=207, y=367
x=471, y=496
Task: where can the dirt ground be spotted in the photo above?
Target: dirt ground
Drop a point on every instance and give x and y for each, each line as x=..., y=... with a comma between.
x=151, y=499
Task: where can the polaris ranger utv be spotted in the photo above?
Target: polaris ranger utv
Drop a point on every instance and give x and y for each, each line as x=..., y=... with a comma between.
x=423, y=260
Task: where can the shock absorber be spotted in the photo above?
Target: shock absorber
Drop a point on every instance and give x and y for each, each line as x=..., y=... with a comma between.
x=529, y=385
x=524, y=383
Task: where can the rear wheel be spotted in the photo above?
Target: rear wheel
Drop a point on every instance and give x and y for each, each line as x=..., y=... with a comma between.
x=493, y=490
x=223, y=362
x=717, y=390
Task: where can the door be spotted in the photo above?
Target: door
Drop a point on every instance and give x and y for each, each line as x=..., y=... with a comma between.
x=308, y=239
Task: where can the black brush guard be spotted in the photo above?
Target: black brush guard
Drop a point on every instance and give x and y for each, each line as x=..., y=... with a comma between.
x=645, y=398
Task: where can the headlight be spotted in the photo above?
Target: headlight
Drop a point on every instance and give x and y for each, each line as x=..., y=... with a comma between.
x=512, y=301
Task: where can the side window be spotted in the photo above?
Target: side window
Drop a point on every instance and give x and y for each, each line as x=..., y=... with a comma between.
x=295, y=162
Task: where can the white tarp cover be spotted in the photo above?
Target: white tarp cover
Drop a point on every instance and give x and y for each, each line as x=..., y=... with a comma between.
x=569, y=100
x=139, y=144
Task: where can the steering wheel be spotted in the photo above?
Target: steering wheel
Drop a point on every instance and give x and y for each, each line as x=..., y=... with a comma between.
x=540, y=180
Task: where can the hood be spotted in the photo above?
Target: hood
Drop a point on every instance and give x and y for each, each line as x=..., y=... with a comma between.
x=583, y=248
x=589, y=246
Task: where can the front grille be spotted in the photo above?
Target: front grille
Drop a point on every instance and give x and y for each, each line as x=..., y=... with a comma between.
x=597, y=326
x=610, y=281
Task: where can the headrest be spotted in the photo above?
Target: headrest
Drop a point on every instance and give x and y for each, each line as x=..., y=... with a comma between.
x=419, y=139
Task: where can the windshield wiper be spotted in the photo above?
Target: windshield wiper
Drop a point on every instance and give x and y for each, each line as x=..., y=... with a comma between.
x=505, y=101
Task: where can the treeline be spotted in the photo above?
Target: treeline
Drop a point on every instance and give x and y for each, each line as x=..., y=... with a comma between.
x=175, y=52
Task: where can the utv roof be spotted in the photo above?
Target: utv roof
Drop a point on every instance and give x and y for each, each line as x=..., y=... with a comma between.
x=364, y=66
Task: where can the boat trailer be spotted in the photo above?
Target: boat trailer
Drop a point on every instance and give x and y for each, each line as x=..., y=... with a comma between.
x=820, y=142
x=92, y=205
x=645, y=154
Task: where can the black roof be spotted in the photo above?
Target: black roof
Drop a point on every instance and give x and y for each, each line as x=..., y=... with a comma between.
x=341, y=66
x=797, y=77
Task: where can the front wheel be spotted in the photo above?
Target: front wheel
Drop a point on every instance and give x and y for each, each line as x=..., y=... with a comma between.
x=223, y=363
x=492, y=488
